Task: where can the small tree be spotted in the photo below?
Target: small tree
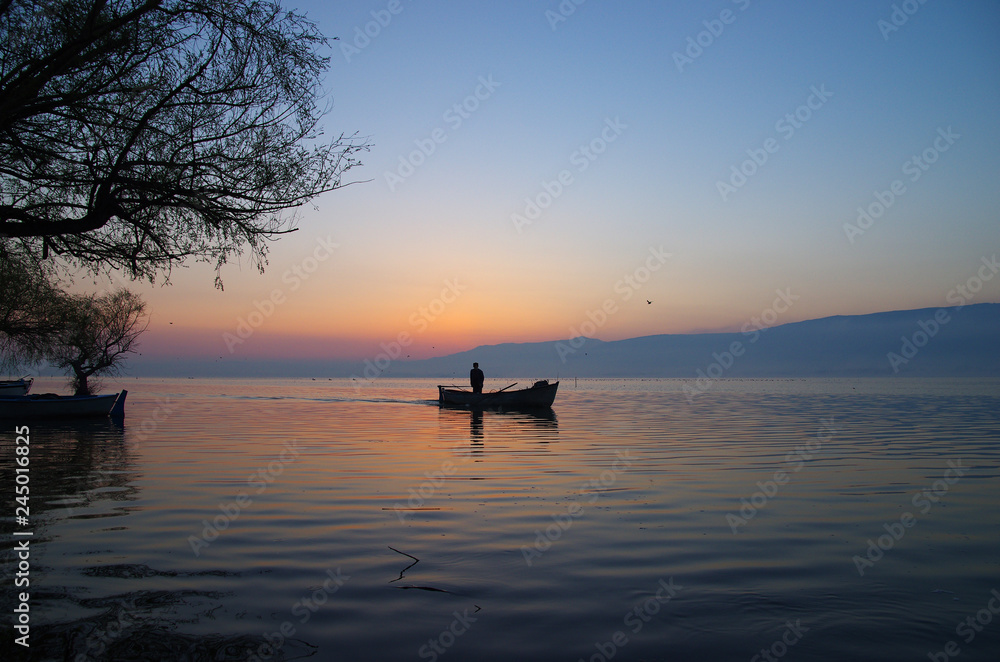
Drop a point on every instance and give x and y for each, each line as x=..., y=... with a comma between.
x=99, y=332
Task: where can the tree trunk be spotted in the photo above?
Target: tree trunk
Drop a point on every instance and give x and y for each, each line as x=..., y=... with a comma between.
x=80, y=381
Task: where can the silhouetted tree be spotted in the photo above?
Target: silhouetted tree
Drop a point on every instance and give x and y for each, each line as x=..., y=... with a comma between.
x=98, y=334
x=137, y=133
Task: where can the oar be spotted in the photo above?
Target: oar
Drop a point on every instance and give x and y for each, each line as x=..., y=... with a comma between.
x=496, y=393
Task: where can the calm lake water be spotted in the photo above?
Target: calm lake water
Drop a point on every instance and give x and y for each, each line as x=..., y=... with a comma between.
x=289, y=519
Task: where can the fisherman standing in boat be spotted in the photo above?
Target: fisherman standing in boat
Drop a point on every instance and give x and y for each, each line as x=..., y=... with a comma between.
x=476, y=377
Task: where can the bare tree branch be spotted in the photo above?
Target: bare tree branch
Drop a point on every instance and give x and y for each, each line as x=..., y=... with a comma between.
x=137, y=133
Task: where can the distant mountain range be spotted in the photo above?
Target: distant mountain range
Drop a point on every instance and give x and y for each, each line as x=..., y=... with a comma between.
x=929, y=342
x=939, y=342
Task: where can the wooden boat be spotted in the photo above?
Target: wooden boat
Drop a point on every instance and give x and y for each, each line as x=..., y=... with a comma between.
x=12, y=387
x=541, y=394
x=62, y=406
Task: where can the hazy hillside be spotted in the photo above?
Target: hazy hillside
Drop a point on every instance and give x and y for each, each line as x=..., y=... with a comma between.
x=967, y=344
x=843, y=346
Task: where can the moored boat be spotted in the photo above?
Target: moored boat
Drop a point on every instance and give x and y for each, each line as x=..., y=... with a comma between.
x=13, y=387
x=63, y=406
x=539, y=395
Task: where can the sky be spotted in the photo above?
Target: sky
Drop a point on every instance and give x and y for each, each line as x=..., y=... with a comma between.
x=542, y=170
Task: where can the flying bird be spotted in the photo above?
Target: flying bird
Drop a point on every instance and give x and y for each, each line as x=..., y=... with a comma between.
x=648, y=301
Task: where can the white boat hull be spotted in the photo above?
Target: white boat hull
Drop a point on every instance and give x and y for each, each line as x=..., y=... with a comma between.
x=14, y=387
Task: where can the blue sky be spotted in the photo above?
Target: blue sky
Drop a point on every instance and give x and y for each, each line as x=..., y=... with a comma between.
x=608, y=78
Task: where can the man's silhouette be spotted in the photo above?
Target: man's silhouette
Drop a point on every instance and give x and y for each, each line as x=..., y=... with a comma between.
x=476, y=378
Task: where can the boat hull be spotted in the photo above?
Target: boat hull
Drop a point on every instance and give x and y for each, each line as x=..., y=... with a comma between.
x=39, y=406
x=14, y=387
x=536, y=397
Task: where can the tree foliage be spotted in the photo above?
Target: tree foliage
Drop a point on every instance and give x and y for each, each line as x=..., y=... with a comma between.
x=30, y=311
x=137, y=133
